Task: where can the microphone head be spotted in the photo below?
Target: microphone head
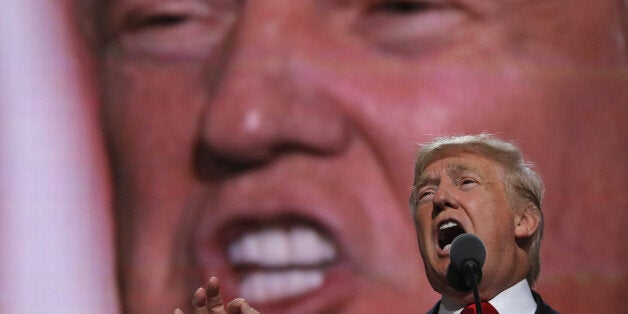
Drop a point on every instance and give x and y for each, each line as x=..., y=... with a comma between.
x=467, y=247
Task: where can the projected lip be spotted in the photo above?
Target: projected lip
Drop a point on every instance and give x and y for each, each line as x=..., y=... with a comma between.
x=277, y=262
x=243, y=216
x=280, y=260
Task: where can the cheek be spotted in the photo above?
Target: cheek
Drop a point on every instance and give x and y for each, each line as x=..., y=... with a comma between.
x=152, y=114
x=500, y=227
x=151, y=118
x=423, y=227
x=393, y=112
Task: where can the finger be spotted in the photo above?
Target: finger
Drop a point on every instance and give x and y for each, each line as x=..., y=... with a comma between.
x=214, y=299
x=178, y=311
x=240, y=306
x=199, y=300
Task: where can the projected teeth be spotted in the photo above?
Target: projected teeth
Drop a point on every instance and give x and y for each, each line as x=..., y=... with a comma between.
x=271, y=286
x=276, y=247
x=280, y=262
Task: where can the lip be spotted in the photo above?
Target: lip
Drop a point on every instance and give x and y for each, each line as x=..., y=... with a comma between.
x=220, y=224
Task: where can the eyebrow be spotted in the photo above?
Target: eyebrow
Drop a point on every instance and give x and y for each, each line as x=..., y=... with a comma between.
x=453, y=170
x=459, y=168
x=426, y=179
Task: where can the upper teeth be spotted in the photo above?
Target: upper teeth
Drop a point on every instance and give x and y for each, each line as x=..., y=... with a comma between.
x=275, y=247
x=448, y=224
x=282, y=256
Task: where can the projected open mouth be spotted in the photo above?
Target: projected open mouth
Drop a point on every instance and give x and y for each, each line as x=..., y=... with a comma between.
x=279, y=262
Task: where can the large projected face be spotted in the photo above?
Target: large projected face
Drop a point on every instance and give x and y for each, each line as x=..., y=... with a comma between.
x=270, y=143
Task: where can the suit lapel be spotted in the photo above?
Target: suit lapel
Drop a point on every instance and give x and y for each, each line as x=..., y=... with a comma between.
x=541, y=307
x=434, y=310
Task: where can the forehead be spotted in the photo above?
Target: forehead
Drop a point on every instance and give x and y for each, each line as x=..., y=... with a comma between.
x=455, y=163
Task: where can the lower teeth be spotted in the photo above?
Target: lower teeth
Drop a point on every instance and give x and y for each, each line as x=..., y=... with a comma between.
x=447, y=247
x=260, y=286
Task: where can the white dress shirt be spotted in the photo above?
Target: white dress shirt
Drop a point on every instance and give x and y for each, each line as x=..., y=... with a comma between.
x=514, y=300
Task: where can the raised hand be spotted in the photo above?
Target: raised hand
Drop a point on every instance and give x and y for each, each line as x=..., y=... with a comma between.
x=209, y=301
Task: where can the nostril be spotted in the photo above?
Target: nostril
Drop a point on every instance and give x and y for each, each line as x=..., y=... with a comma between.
x=315, y=129
x=215, y=164
x=211, y=164
x=436, y=209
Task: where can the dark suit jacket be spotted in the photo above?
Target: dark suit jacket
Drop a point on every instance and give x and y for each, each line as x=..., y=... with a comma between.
x=541, y=307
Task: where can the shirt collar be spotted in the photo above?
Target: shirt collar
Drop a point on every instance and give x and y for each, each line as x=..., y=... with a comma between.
x=517, y=299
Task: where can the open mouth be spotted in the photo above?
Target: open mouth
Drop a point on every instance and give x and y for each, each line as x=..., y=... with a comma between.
x=277, y=262
x=447, y=231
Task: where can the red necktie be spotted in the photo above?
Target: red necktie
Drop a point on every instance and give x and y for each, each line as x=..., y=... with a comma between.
x=487, y=308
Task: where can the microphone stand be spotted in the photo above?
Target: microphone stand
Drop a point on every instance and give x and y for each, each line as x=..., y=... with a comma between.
x=471, y=269
x=467, y=255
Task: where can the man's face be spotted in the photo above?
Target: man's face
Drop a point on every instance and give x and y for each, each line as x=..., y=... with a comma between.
x=465, y=192
x=270, y=143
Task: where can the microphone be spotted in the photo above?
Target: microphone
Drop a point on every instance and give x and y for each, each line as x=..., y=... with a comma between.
x=464, y=273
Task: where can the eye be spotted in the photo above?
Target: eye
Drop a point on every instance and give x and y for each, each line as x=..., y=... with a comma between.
x=175, y=30
x=467, y=182
x=426, y=194
x=157, y=20
x=165, y=14
x=400, y=7
x=410, y=28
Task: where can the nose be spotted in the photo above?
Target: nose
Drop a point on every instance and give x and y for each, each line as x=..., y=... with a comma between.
x=445, y=198
x=263, y=104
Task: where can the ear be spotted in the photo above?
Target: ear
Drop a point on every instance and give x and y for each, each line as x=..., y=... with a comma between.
x=527, y=221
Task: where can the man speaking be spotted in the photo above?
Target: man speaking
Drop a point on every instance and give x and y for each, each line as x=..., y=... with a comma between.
x=480, y=185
